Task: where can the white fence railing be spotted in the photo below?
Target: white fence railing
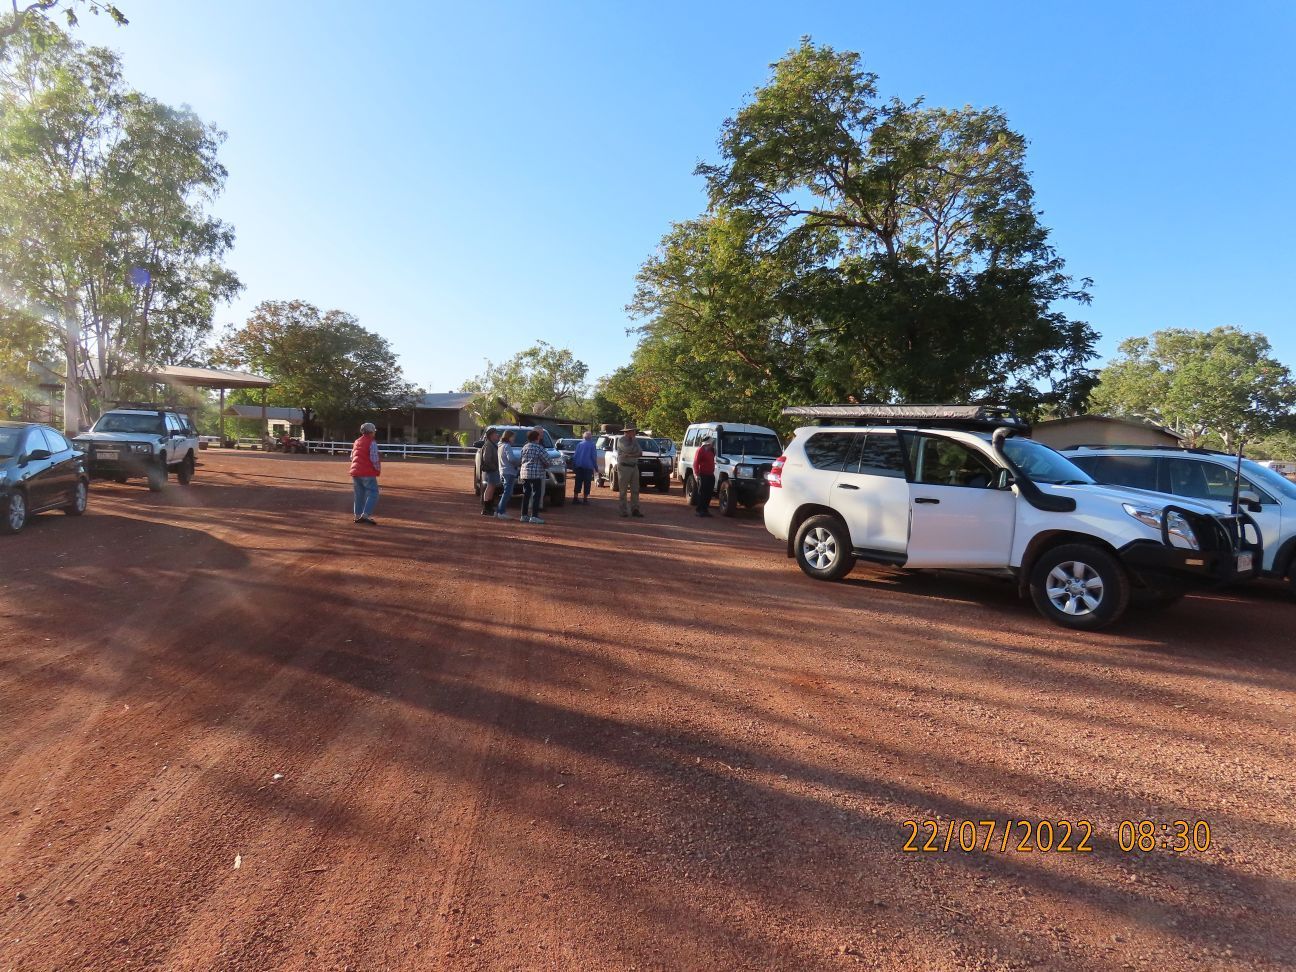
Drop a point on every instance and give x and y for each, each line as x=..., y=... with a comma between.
x=403, y=450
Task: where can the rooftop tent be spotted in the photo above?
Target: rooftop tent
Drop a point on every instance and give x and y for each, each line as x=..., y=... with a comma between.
x=967, y=417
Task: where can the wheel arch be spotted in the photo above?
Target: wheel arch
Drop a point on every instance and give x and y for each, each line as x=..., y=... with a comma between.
x=1047, y=540
x=804, y=513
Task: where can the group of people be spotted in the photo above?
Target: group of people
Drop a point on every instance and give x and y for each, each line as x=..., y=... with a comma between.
x=502, y=471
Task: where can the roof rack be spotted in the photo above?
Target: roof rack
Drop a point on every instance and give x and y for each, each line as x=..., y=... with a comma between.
x=976, y=418
x=145, y=406
x=1195, y=450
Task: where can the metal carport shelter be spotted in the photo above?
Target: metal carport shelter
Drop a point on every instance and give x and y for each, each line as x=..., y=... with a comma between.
x=214, y=378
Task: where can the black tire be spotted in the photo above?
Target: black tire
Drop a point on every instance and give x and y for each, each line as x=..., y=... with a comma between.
x=616, y=482
x=157, y=477
x=556, y=497
x=16, y=513
x=823, y=548
x=690, y=489
x=185, y=471
x=1154, y=600
x=477, y=483
x=726, y=498
x=1080, y=586
x=600, y=480
x=79, y=499
x=663, y=486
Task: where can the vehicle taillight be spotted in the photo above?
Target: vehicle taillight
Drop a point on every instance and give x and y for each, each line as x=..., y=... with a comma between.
x=775, y=477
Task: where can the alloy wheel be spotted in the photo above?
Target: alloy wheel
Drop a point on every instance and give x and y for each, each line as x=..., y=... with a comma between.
x=17, y=512
x=1074, y=587
x=820, y=548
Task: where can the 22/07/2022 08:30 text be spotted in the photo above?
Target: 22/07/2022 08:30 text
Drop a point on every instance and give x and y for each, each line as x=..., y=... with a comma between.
x=1051, y=836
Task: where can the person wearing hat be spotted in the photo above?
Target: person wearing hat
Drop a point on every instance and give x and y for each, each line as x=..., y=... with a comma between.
x=628, y=453
x=366, y=467
x=704, y=470
x=489, y=464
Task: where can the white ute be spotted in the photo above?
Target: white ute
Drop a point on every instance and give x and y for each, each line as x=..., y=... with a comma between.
x=959, y=487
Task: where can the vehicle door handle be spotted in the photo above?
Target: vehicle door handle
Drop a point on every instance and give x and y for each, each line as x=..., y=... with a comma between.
x=925, y=499
x=846, y=486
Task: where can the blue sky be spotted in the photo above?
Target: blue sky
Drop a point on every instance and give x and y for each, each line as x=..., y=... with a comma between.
x=468, y=179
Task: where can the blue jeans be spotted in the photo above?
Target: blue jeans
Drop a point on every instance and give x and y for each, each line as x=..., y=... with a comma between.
x=532, y=490
x=584, y=477
x=506, y=493
x=366, y=494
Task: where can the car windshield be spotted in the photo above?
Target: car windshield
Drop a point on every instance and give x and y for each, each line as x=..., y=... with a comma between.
x=665, y=445
x=130, y=422
x=9, y=439
x=1273, y=481
x=750, y=444
x=1043, y=465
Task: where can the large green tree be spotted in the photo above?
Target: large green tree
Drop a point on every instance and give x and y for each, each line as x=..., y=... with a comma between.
x=858, y=247
x=323, y=361
x=105, y=234
x=541, y=379
x=1222, y=385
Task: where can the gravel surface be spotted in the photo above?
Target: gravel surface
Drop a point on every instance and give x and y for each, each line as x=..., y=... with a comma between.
x=239, y=732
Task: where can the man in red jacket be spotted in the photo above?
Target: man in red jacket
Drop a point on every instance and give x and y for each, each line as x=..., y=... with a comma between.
x=366, y=467
x=704, y=473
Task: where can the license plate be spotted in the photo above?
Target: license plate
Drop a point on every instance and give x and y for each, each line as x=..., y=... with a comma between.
x=1244, y=563
x=106, y=454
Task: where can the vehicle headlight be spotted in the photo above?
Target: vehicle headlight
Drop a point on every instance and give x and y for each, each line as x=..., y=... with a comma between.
x=745, y=472
x=1177, y=526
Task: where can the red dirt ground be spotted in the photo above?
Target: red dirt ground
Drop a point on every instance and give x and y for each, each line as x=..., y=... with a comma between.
x=601, y=744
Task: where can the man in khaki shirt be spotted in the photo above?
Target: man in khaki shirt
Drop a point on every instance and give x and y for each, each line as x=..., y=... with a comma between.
x=628, y=453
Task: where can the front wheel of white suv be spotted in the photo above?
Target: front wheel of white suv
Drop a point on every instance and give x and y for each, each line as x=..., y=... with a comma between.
x=1079, y=585
x=823, y=548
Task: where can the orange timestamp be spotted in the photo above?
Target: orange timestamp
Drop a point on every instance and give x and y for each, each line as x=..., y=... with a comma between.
x=1051, y=836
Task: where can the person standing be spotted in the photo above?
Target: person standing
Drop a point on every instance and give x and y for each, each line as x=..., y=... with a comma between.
x=488, y=463
x=628, y=454
x=535, y=461
x=584, y=465
x=366, y=467
x=704, y=471
x=510, y=467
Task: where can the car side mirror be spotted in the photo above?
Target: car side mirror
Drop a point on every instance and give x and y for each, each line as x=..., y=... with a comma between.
x=1251, y=501
x=37, y=454
x=1005, y=479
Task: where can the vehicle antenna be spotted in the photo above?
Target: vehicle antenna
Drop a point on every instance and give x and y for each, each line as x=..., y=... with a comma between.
x=1237, y=478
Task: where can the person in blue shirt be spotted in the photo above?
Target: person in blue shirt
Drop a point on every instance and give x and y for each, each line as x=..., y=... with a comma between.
x=584, y=465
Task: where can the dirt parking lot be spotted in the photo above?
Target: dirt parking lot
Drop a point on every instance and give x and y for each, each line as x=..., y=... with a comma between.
x=239, y=732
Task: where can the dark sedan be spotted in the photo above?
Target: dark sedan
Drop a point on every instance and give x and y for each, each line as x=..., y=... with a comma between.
x=39, y=471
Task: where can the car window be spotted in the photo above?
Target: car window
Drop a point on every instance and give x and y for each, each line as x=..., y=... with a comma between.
x=56, y=441
x=1139, y=472
x=944, y=462
x=880, y=456
x=1209, y=480
x=689, y=436
x=130, y=422
x=828, y=450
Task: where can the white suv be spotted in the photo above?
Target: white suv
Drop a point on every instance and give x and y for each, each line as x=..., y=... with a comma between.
x=141, y=440
x=1207, y=477
x=744, y=457
x=956, y=487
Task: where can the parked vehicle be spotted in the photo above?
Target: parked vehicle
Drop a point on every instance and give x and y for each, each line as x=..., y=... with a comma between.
x=959, y=487
x=654, y=468
x=744, y=456
x=666, y=449
x=39, y=471
x=556, y=477
x=568, y=449
x=1207, y=477
x=141, y=440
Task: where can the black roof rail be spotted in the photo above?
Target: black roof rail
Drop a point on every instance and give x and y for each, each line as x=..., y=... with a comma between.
x=146, y=406
x=974, y=418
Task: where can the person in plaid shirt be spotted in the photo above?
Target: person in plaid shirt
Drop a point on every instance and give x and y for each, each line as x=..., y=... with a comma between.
x=535, y=462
